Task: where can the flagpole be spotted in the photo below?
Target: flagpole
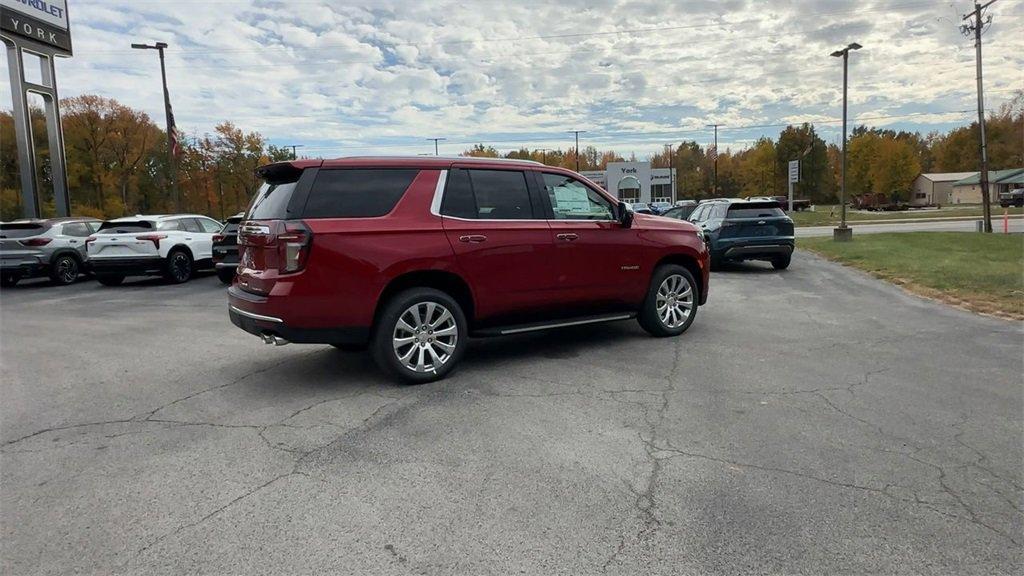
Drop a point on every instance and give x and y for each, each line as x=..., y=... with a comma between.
x=172, y=141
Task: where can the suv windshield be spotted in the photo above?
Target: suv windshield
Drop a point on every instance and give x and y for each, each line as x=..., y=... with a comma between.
x=749, y=210
x=125, y=227
x=22, y=230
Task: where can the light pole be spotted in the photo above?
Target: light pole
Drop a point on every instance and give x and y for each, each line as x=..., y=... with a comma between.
x=670, y=149
x=843, y=233
x=715, y=181
x=294, y=147
x=436, y=140
x=171, y=141
x=577, y=133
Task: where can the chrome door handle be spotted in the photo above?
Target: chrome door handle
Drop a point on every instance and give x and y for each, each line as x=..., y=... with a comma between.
x=567, y=237
x=473, y=238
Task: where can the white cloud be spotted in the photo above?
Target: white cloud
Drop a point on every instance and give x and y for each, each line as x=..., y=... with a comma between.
x=348, y=78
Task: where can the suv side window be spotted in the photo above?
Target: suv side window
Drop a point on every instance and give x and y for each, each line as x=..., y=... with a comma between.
x=487, y=195
x=501, y=195
x=190, y=225
x=720, y=211
x=573, y=200
x=209, y=226
x=458, y=195
x=698, y=213
x=357, y=193
x=170, y=225
x=76, y=229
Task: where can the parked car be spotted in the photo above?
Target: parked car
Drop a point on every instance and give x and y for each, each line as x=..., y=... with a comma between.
x=53, y=247
x=1012, y=198
x=737, y=230
x=172, y=245
x=799, y=204
x=225, y=249
x=641, y=208
x=660, y=207
x=413, y=255
x=681, y=211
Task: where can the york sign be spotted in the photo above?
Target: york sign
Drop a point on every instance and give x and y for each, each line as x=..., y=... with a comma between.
x=43, y=21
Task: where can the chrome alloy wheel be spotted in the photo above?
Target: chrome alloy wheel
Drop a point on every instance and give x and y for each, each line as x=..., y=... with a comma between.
x=675, y=301
x=425, y=337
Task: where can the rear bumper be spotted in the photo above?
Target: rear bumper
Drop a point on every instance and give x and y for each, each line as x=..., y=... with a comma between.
x=127, y=266
x=755, y=249
x=254, y=314
x=24, y=267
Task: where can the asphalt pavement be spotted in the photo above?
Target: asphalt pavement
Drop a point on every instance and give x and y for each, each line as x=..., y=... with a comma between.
x=812, y=421
x=1015, y=225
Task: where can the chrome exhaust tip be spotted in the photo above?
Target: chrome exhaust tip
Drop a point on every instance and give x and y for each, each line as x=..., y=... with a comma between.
x=274, y=339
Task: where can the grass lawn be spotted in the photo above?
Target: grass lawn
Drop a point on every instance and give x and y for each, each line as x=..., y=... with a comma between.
x=829, y=215
x=980, y=272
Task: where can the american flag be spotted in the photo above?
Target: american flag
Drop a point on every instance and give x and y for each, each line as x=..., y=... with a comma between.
x=176, y=135
x=712, y=152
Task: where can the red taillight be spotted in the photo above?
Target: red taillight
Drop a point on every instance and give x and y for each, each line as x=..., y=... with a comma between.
x=89, y=240
x=154, y=238
x=218, y=237
x=292, y=246
x=36, y=241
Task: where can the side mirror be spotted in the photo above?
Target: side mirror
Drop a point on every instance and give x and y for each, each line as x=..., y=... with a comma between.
x=625, y=215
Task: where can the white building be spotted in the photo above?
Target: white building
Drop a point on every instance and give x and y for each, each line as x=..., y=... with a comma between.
x=635, y=181
x=936, y=188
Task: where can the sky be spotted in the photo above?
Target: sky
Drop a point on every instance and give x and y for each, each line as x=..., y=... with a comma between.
x=347, y=78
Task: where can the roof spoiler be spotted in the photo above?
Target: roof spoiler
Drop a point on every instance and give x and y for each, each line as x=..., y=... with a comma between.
x=281, y=172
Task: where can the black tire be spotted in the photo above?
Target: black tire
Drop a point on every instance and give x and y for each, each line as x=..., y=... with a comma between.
x=65, y=269
x=351, y=347
x=8, y=280
x=649, y=317
x=178, y=268
x=781, y=262
x=226, y=275
x=110, y=279
x=384, y=352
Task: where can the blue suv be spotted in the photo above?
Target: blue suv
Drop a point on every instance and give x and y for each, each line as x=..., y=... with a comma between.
x=737, y=230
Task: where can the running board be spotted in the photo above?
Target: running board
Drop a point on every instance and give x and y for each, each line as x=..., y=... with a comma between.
x=521, y=328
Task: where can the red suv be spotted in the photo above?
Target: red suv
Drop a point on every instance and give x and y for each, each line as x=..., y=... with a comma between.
x=411, y=256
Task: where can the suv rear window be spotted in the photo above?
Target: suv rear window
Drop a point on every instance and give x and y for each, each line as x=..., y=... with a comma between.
x=271, y=201
x=766, y=210
x=125, y=227
x=22, y=230
x=357, y=193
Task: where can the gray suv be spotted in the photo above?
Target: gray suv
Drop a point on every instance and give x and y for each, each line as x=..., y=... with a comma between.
x=54, y=247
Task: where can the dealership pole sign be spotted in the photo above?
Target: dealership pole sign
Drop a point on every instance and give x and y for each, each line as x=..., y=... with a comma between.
x=794, y=177
x=38, y=28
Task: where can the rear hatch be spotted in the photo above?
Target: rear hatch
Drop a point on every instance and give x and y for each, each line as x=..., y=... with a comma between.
x=271, y=241
x=755, y=220
x=19, y=239
x=125, y=239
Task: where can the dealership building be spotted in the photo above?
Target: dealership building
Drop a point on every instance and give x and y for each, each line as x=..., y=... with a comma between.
x=635, y=181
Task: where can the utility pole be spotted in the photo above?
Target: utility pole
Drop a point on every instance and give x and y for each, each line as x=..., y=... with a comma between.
x=843, y=233
x=715, y=181
x=171, y=141
x=977, y=28
x=436, y=140
x=577, y=154
x=293, y=147
x=544, y=155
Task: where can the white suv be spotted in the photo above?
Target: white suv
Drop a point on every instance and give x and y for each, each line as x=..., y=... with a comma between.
x=173, y=245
